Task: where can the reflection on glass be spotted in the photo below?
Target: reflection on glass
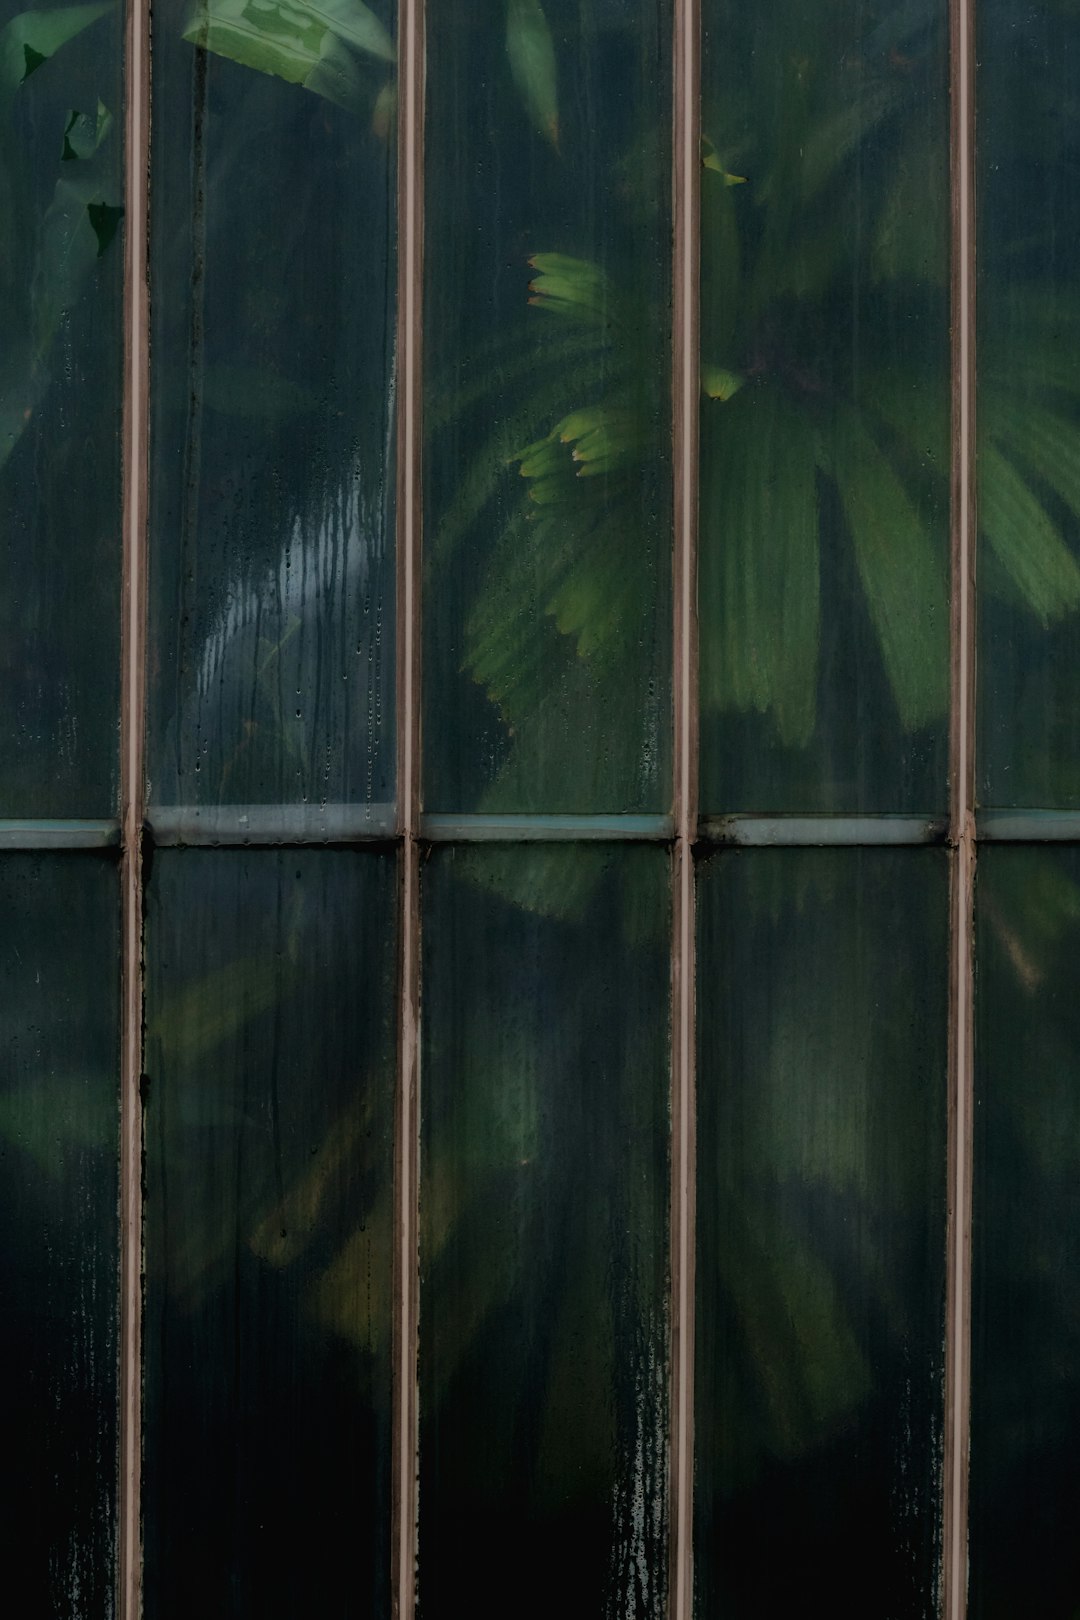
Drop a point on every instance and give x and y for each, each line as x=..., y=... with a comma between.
x=59, y=1184
x=547, y=406
x=821, y=1232
x=1025, y=1420
x=1029, y=404
x=61, y=354
x=273, y=273
x=543, y=1350
x=825, y=406
x=269, y=1217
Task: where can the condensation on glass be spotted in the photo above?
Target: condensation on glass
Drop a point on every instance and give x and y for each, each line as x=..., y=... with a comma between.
x=547, y=408
x=544, y=1141
x=272, y=509
x=269, y=1218
x=1026, y=1339
x=824, y=440
x=822, y=994
x=59, y=1186
x=1029, y=406
x=61, y=296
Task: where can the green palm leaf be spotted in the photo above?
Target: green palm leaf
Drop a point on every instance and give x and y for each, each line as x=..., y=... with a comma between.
x=759, y=560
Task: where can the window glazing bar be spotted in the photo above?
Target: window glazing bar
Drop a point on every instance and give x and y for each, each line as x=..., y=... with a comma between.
x=272, y=823
x=409, y=379
x=1027, y=827
x=132, y=784
x=686, y=211
x=59, y=834
x=961, y=817
x=814, y=832
x=481, y=829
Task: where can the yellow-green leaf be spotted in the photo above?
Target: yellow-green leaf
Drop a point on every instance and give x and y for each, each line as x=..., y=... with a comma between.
x=720, y=384
x=531, y=51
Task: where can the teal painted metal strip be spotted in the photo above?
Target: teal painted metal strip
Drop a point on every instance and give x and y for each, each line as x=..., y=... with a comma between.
x=822, y=831
x=545, y=829
x=59, y=834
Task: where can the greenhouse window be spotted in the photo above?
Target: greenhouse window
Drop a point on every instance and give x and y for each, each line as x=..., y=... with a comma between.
x=540, y=1052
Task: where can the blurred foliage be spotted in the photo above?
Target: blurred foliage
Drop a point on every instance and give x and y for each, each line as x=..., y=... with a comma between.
x=51, y=252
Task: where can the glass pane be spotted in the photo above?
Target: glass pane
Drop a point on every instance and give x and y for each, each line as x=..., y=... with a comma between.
x=825, y=407
x=1025, y=1419
x=272, y=675
x=1029, y=405
x=821, y=1232
x=544, y=1196
x=61, y=374
x=59, y=1262
x=548, y=407
x=269, y=1221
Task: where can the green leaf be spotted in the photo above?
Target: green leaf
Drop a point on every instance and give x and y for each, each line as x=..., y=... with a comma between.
x=33, y=37
x=721, y=265
x=352, y=22
x=911, y=239
x=829, y=144
x=293, y=40
x=1047, y=443
x=1025, y=540
x=572, y=287
x=719, y=384
x=77, y=228
x=759, y=561
x=532, y=62
x=85, y=132
x=71, y=1117
x=902, y=573
x=711, y=160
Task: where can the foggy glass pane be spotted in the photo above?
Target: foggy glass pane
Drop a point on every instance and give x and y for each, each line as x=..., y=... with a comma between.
x=59, y=1262
x=272, y=280
x=61, y=365
x=547, y=406
x=1025, y=1413
x=824, y=521
x=269, y=1231
x=1029, y=404
x=821, y=1153
x=544, y=1215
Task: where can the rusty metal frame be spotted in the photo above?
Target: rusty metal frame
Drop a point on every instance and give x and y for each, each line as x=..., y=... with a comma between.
x=136, y=414
x=686, y=210
x=409, y=399
x=962, y=830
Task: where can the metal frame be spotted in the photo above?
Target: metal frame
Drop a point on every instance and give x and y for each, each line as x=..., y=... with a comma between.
x=136, y=419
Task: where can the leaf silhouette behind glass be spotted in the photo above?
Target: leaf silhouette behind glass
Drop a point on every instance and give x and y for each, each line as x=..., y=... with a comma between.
x=531, y=52
x=759, y=560
x=901, y=573
x=294, y=40
x=31, y=38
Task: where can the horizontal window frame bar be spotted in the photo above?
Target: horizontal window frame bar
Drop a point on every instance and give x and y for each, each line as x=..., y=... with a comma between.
x=70, y=834
x=543, y=829
x=244, y=824
x=1027, y=827
x=359, y=826
x=825, y=831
